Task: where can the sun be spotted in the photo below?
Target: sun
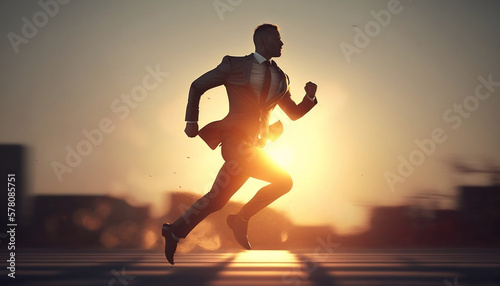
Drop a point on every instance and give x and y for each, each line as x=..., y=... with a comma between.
x=280, y=154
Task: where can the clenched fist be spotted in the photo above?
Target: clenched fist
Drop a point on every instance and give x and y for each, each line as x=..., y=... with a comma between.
x=310, y=89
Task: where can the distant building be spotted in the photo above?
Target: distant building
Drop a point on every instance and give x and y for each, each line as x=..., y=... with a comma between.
x=479, y=208
x=101, y=221
x=476, y=223
x=85, y=221
x=12, y=165
x=391, y=226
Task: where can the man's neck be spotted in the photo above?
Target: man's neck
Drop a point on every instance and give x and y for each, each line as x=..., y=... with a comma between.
x=266, y=56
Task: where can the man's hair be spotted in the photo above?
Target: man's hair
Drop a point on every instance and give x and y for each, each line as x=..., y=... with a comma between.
x=261, y=30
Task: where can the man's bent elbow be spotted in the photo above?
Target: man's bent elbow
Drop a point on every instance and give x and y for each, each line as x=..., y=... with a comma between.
x=295, y=116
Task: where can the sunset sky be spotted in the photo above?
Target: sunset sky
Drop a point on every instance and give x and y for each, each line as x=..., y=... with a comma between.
x=389, y=73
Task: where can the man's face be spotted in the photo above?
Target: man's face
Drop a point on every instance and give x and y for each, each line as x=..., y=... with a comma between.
x=273, y=43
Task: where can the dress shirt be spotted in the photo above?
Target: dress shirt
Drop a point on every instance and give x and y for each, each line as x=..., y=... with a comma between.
x=257, y=76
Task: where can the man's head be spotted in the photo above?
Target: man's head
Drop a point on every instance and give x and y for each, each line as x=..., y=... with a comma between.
x=267, y=40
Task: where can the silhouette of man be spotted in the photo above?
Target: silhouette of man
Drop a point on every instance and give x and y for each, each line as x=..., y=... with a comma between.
x=255, y=85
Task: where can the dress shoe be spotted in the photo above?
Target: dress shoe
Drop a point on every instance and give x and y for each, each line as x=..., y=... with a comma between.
x=239, y=228
x=170, y=242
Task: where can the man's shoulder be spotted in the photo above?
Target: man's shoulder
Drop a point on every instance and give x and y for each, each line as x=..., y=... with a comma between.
x=235, y=59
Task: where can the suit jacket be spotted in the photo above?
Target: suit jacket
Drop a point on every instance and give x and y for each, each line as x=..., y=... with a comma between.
x=247, y=117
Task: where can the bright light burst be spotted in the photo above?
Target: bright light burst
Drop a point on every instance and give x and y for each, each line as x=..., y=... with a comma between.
x=280, y=154
x=265, y=256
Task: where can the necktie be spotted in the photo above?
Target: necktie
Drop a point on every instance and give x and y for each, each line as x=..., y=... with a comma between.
x=267, y=83
x=263, y=132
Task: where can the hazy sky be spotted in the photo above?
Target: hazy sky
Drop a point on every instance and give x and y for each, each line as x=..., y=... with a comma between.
x=389, y=73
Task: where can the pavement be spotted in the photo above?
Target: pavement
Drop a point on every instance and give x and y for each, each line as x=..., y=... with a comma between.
x=256, y=268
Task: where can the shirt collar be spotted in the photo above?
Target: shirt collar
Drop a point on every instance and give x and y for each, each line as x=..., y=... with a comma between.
x=260, y=59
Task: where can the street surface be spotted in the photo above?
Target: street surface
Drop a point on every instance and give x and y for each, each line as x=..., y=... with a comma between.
x=257, y=268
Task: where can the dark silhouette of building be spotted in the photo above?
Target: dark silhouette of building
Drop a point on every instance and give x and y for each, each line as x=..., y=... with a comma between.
x=480, y=215
x=475, y=223
x=66, y=221
x=85, y=221
x=13, y=175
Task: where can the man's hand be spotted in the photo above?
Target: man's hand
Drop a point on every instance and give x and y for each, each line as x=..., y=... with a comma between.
x=310, y=89
x=191, y=129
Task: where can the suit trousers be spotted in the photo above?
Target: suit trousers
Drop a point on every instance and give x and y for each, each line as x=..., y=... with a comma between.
x=242, y=161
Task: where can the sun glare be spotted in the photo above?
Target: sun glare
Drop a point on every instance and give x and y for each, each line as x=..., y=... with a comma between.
x=265, y=256
x=282, y=155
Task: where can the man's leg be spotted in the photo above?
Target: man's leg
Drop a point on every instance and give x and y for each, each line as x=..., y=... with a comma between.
x=262, y=167
x=257, y=164
x=229, y=179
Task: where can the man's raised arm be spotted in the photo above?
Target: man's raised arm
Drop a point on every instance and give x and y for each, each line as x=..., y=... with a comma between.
x=296, y=111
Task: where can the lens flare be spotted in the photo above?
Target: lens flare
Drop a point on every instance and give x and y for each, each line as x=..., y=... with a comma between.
x=280, y=154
